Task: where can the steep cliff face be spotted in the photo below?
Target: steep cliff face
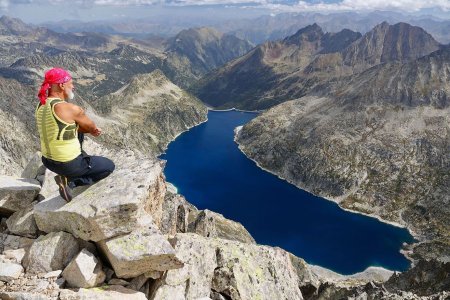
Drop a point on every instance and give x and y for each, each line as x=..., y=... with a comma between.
x=307, y=61
x=385, y=43
x=368, y=148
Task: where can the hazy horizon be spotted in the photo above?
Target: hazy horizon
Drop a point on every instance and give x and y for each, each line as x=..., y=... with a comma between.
x=209, y=11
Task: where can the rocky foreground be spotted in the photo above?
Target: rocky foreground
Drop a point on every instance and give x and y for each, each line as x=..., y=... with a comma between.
x=129, y=237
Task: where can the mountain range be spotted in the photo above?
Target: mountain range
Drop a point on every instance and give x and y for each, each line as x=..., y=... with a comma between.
x=361, y=119
x=300, y=64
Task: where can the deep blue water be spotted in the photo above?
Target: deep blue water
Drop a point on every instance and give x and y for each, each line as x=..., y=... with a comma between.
x=207, y=167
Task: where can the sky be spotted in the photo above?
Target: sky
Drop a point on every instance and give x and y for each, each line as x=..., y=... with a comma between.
x=39, y=11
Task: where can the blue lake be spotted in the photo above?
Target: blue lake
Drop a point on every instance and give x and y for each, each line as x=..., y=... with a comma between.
x=207, y=167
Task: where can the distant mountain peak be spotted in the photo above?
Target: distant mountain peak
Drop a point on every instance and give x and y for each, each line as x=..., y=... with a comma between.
x=309, y=33
x=13, y=25
x=384, y=43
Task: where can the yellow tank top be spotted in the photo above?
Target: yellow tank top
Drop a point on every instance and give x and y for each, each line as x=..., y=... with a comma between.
x=59, y=140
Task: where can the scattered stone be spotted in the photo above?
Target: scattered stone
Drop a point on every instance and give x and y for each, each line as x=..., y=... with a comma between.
x=13, y=242
x=85, y=271
x=34, y=167
x=137, y=283
x=53, y=274
x=17, y=193
x=110, y=207
x=10, y=271
x=51, y=252
x=153, y=274
x=22, y=222
x=113, y=292
x=60, y=282
x=24, y=296
x=89, y=246
x=16, y=255
x=3, y=225
x=109, y=273
x=118, y=281
x=143, y=250
x=210, y=224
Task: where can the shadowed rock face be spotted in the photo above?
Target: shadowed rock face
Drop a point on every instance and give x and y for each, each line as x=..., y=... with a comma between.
x=307, y=61
x=377, y=144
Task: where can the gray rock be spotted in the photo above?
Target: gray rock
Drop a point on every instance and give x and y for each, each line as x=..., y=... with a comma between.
x=109, y=273
x=110, y=207
x=141, y=251
x=118, y=281
x=84, y=271
x=23, y=296
x=34, y=168
x=51, y=252
x=22, y=222
x=137, y=283
x=234, y=269
x=16, y=255
x=53, y=274
x=210, y=224
x=153, y=274
x=176, y=212
x=10, y=271
x=17, y=193
x=114, y=292
x=13, y=242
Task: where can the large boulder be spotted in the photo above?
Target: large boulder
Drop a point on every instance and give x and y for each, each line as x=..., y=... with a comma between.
x=140, y=251
x=231, y=269
x=22, y=222
x=51, y=252
x=113, y=292
x=84, y=271
x=111, y=207
x=17, y=193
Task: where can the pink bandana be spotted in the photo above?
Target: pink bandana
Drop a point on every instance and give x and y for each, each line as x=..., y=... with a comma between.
x=55, y=75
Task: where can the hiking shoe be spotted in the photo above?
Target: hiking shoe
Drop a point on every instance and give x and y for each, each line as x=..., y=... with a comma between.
x=64, y=190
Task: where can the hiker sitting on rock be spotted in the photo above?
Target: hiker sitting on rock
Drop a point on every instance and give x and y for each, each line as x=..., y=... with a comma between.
x=61, y=126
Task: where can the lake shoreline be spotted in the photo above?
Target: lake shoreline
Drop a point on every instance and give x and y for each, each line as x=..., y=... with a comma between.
x=416, y=236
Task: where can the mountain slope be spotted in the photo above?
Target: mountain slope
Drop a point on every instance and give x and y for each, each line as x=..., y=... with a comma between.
x=194, y=52
x=376, y=143
x=309, y=59
x=147, y=113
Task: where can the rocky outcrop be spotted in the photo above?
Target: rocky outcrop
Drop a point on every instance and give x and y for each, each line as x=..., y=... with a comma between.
x=110, y=209
x=17, y=194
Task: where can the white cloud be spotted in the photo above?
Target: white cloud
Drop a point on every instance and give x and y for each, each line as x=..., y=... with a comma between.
x=4, y=4
x=300, y=6
x=364, y=5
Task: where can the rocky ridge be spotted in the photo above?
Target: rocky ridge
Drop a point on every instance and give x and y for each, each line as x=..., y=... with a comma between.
x=303, y=63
